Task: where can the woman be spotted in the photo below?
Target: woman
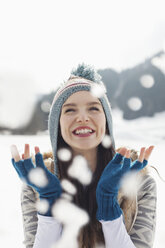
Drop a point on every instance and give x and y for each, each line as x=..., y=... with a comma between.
x=79, y=121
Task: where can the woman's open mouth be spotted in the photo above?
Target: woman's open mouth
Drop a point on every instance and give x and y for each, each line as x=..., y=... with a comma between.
x=83, y=132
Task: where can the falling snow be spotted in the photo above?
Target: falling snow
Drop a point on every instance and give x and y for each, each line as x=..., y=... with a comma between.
x=106, y=142
x=147, y=81
x=134, y=103
x=38, y=177
x=64, y=154
x=130, y=184
x=159, y=62
x=45, y=106
x=65, y=212
x=68, y=187
x=42, y=206
x=97, y=90
x=67, y=197
x=79, y=169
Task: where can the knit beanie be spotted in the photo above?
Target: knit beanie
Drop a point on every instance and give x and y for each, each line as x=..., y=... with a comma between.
x=84, y=78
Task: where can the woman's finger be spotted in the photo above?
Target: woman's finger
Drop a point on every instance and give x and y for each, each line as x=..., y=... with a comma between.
x=27, y=151
x=148, y=152
x=123, y=151
x=142, y=153
x=37, y=150
x=128, y=154
x=15, y=153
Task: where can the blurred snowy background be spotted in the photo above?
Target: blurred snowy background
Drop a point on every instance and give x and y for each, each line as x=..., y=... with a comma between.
x=40, y=42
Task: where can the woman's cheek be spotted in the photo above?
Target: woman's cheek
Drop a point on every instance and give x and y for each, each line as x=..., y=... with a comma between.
x=100, y=118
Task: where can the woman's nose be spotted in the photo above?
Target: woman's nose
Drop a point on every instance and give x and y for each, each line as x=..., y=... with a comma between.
x=82, y=117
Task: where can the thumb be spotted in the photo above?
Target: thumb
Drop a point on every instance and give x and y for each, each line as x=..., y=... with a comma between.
x=117, y=158
x=39, y=160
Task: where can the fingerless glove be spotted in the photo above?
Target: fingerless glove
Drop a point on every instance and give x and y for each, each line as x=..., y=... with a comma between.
x=52, y=191
x=109, y=184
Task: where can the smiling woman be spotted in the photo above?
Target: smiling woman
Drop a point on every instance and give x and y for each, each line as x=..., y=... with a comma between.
x=83, y=125
x=86, y=206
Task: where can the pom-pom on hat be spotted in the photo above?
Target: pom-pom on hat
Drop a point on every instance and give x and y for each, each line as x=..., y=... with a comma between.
x=84, y=78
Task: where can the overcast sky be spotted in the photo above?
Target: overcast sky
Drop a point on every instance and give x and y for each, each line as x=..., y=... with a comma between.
x=45, y=39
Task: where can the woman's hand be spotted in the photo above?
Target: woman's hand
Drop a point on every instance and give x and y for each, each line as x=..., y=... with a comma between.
x=109, y=183
x=50, y=189
x=26, y=155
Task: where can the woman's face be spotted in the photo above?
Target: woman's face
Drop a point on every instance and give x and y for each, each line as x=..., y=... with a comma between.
x=82, y=121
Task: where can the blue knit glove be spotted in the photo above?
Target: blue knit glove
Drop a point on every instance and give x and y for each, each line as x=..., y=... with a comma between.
x=52, y=191
x=109, y=184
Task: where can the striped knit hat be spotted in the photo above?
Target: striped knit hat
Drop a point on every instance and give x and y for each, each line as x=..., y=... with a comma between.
x=84, y=78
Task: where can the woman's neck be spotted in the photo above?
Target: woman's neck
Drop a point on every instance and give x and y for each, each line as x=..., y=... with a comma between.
x=90, y=156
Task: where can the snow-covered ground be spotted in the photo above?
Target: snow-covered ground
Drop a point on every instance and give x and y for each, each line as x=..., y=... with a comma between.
x=135, y=134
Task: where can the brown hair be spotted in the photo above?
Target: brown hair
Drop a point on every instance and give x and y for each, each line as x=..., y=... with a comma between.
x=91, y=234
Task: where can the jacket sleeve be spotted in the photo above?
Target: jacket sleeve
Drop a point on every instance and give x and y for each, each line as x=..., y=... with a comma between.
x=115, y=234
x=48, y=232
x=29, y=198
x=29, y=214
x=143, y=231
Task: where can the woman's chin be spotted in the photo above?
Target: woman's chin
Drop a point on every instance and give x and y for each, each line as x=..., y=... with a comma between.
x=85, y=146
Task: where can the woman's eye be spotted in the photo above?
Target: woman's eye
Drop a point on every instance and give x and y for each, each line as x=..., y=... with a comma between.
x=69, y=110
x=94, y=108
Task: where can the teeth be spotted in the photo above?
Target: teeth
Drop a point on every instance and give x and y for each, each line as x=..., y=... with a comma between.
x=83, y=131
